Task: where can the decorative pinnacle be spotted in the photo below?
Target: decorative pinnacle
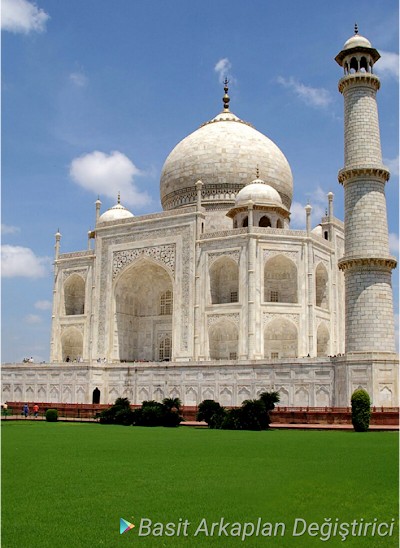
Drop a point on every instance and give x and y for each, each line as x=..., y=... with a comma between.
x=257, y=173
x=226, y=97
x=355, y=28
x=119, y=197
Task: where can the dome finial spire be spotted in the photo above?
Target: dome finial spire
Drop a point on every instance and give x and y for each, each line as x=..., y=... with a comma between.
x=226, y=97
x=257, y=173
x=355, y=28
x=119, y=197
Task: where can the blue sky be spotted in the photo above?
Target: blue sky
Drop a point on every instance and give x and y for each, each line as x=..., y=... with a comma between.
x=95, y=95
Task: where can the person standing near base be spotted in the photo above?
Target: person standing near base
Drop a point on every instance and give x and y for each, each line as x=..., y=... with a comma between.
x=26, y=410
x=36, y=410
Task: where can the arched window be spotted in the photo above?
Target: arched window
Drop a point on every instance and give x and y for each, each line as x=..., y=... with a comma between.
x=245, y=222
x=321, y=286
x=74, y=295
x=280, y=339
x=280, y=280
x=326, y=235
x=279, y=224
x=165, y=349
x=224, y=281
x=264, y=221
x=364, y=64
x=354, y=64
x=223, y=340
x=166, y=303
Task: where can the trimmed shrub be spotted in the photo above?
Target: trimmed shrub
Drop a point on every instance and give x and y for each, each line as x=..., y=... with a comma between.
x=123, y=402
x=52, y=415
x=218, y=418
x=360, y=410
x=107, y=416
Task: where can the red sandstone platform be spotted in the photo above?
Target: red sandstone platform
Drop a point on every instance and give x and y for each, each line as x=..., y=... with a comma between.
x=310, y=426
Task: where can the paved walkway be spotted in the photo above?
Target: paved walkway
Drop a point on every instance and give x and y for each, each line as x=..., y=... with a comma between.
x=310, y=426
x=277, y=425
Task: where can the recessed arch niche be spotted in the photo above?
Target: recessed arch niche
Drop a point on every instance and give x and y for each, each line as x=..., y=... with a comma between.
x=224, y=281
x=72, y=344
x=280, y=280
x=223, y=340
x=143, y=309
x=74, y=295
x=280, y=339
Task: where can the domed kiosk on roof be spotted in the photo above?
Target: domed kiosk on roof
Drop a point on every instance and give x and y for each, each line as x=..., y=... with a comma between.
x=115, y=213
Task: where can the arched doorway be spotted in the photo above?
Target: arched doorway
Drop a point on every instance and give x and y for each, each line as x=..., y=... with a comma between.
x=224, y=281
x=321, y=286
x=223, y=340
x=280, y=339
x=280, y=280
x=143, y=312
x=322, y=340
x=72, y=344
x=74, y=295
x=96, y=396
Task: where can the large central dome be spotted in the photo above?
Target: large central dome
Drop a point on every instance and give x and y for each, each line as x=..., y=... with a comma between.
x=224, y=154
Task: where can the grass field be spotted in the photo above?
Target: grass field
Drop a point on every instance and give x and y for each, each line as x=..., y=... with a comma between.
x=67, y=485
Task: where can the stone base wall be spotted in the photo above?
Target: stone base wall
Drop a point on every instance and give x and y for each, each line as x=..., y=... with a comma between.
x=313, y=382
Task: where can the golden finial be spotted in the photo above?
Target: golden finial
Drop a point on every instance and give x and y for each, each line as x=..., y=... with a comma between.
x=355, y=29
x=226, y=97
x=326, y=212
x=119, y=197
x=257, y=173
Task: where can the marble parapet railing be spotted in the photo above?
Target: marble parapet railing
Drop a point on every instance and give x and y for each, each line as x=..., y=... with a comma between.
x=76, y=254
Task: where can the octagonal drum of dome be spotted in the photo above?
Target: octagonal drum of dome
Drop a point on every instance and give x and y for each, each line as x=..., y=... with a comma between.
x=224, y=154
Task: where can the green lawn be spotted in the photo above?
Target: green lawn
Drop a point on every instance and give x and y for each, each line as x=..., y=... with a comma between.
x=67, y=485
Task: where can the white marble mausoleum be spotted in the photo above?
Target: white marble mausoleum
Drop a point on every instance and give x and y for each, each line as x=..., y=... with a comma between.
x=216, y=297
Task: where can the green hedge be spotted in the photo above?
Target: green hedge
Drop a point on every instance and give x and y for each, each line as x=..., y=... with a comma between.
x=360, y=410
x=51, y=415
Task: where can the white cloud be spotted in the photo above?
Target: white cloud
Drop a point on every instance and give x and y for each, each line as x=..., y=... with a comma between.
x=318, y=202
x=392, y=164
x=107, y=174
x=78, y=78
x=222, y=68
x=33, y=318
x=388, y=65
x=21, y=261
x=22, y=16
x=43, y=305
x=317, y=97
x=394, y=243
x=9, y=229
x=298, y=215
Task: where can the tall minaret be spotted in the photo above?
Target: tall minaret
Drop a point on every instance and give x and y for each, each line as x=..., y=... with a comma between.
x=367, y=264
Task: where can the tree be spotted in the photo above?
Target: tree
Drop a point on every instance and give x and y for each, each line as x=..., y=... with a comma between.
x=172, y=403
x=207, y=408
x=360, y=410
x=123, y=402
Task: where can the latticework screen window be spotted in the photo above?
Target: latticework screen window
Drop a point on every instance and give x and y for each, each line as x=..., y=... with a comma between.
x=166, y=303
x=234, y=296
x=274, y=297
x=232, y=356
x=165, y=349
x=274, y=355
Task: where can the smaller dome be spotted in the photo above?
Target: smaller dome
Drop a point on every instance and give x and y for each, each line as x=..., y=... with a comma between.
x=115, y=213
x=357, y=41
x=260, y=193
x=317, y=231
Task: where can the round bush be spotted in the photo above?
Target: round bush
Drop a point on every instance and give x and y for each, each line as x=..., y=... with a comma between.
x=51, y=415
x=360, y=410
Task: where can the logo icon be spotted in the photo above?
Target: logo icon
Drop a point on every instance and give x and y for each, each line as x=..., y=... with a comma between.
x=124, y=526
